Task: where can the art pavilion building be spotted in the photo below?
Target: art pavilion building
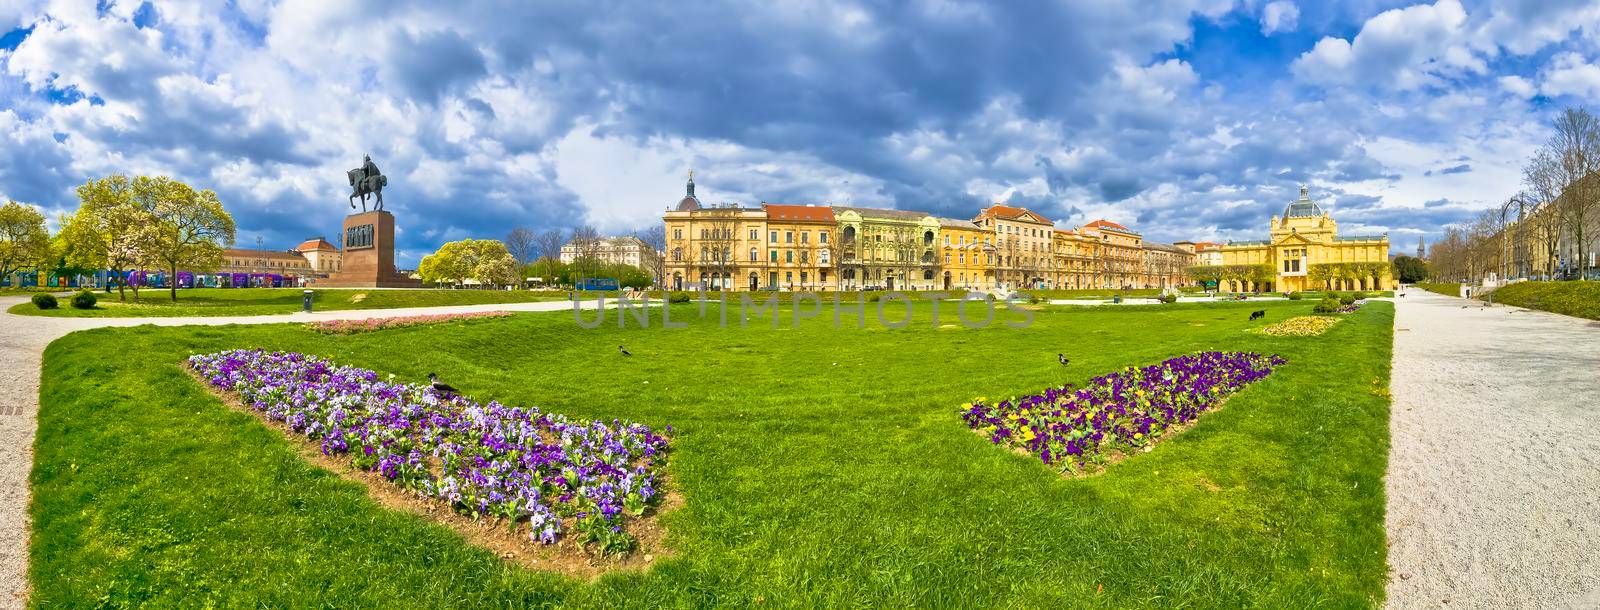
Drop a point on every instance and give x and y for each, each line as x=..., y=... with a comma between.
x=1306, y=252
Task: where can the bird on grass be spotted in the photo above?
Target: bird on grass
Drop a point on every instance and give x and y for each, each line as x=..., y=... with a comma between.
x=1063, y=359
x=623, y=350
x=441, y=387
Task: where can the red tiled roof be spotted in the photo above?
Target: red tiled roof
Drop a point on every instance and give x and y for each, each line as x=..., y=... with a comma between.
x=798, y=213
x=1106, y=224
x=252, y=253
x=315, y=243
x=1009, y=212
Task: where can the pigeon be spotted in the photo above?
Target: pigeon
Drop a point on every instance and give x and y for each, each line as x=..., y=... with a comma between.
x=1063, y=359
x=623, y=350
x=440, y=387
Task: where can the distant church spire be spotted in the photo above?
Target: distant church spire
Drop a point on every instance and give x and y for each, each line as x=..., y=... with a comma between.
x=1420, y=249
x=690, y=192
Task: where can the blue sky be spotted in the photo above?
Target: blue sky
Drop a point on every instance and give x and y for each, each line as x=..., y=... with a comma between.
x=1186, y=119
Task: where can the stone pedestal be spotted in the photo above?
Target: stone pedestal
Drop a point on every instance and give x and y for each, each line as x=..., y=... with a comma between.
x=368, y=257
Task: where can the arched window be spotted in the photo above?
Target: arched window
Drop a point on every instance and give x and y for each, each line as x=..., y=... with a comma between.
x=752, y=255
x=677, y=254
x=849, y=234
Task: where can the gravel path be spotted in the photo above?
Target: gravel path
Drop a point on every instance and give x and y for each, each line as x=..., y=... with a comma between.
x=22, y=343
x=1494, y=465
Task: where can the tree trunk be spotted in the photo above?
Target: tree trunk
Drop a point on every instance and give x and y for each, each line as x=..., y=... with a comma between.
x=122, y=287
x=172, y=282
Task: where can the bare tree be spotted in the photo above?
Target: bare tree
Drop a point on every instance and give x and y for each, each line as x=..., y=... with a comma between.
x=547, y=244
x=1576, y=144
x=654, y=261
x=519, y=242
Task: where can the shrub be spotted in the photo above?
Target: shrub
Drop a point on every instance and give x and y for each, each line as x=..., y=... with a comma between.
x=678, y=297
x=84, y=300
x=44, y=300
x=1349, y=299
x=1295, y=296
x=1328, y=304
x=1358, y=295
x=1168, y=298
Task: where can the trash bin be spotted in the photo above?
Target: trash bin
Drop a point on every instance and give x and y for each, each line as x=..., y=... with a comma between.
x=1116, y=298
x=305, y=301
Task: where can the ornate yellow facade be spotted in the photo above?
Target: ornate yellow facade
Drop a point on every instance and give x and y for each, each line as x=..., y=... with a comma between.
x=1306, y=252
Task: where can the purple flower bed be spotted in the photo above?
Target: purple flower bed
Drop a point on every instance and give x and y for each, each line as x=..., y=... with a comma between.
x=1125, y=411
x=484, y=460
x=1348, y=308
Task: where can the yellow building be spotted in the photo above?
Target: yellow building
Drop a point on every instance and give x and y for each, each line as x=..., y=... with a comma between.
x=967, y=255
x=799, y=255
x=1119, y=254
x=722, y=246
x=1022, y=244
x=1306, y=252
x=886, y=249
x=1074, y=265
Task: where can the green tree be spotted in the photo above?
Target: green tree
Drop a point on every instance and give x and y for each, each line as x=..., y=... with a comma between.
x=550, y=270
x=189, y=228
x=109, y=230
x=484, y=260
x=24, y=242
x=1410, y=269
x=1207, y=273
x=1321, y=273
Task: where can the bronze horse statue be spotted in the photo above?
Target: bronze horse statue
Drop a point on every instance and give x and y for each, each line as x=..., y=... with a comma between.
x=367, y=180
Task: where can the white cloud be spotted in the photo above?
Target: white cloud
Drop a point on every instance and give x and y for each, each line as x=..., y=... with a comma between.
x=1570, y=74
x=1279, y=16
x=1406, y=48
x=1516, y=85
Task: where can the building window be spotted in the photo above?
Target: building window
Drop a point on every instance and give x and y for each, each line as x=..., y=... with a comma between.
x=788, y=277
x=677, y=233
x=773, y=255
x=805, y=256
x=774, y=237
x=705, y=234
x=753, y=255
x=754, y=235
x=788, y=256
x=788, y=237
x=677, y=254
x=805, y=237
x=822, y=237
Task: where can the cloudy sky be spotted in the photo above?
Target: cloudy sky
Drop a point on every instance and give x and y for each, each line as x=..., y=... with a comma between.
x=1184, y=119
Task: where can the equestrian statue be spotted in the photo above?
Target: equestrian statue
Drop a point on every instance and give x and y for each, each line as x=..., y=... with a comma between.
x=367, y=180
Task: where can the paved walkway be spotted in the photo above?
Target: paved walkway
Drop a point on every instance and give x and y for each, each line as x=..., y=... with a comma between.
x=22, y=343
x=1494, y=466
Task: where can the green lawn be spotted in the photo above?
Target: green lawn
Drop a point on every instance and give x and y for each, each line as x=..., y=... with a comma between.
x=820, y=468
x=259, y=301
x=1449, y=289
x=1580, y=298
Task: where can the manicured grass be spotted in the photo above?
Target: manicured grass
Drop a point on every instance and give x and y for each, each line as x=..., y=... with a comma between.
x=261, y=301
x=1104, y=293
x=819, y=468
x=1574, y=298
x=1449, y=289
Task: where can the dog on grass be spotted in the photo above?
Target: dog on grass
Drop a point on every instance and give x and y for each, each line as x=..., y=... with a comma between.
x=1257, y=315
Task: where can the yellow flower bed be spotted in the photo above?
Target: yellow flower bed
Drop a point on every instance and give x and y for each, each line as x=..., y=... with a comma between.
x=1303, y=326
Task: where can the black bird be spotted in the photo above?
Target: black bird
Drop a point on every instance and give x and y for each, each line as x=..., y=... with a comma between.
x=623, y=350
x=442, y=388
x=1063, y=359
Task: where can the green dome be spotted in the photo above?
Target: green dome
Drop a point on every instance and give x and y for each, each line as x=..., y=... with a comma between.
x=1303, y=206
